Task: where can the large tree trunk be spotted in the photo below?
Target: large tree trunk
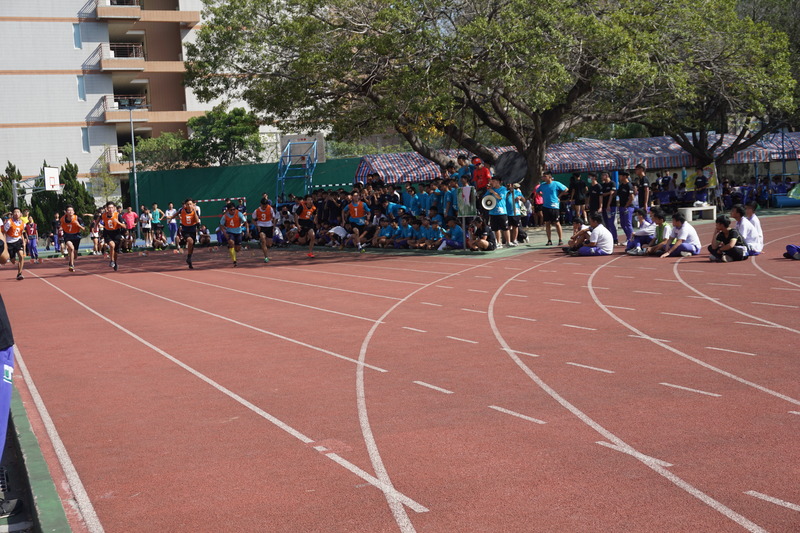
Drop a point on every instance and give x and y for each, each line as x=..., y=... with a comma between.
x=535, y=156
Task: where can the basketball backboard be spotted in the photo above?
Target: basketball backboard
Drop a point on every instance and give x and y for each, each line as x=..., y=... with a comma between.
x=51, y=182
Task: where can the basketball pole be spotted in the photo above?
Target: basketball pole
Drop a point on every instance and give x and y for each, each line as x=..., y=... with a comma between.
x=14, y=193
x=135, y=181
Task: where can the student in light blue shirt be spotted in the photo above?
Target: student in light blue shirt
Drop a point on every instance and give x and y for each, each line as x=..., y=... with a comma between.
x=435, y=216
x=514, y=200
x=498, y=216
x=454, y=235
x=436, y=234
x=403, y=234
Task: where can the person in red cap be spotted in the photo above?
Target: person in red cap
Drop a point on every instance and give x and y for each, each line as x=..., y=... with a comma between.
x=480, y=176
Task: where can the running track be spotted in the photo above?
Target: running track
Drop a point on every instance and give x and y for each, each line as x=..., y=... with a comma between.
x=521, y=391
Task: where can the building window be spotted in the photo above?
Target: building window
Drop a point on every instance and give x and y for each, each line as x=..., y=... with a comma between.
x=85, y=139
x=82, y=88
x=76, y=36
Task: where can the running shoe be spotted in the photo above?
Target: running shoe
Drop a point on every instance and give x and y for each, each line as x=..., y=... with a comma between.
x=549, y=243
x=362, y=250
x=111, y=264
x=266, y=259
x=309, y=254
x=686, y=254
x=71, y=268
x=115, y=266
x=189, y=262
x=10, y=507
x=234, y=264
x=19, y=277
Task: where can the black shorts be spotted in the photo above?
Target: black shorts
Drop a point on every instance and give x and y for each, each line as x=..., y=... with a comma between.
x=513, y=221
x=112, y=235
x=498, y=222
x=268, y=231
x=235, y=238
x=189, y=231
x=145, y=230
x=305, y=226
x=550, y=214
x=537, y=208
x=15, y=247
x=74, y=238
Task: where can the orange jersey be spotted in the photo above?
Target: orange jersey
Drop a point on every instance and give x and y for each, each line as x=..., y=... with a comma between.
x=15, y=228
x=357, y=210
x=305, y=213
x=71, y=227
x=112, y=222
x=189, y=219
x=234, y=221
x=263, y=215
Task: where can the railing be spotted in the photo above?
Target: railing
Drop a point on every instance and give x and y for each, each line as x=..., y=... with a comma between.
x=124, y=50
x=119, y=2
x=121, y=102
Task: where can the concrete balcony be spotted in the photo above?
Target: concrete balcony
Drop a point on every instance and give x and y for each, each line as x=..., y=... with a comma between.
x=188, y=19
x=118, y=10
x=115, y=108
x=116, y=57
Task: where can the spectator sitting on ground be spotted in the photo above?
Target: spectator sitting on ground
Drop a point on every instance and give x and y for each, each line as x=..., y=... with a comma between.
x=661, y=234
x=203, y=236
x=685, y=241
x=383, y=236
x=747, y=232
x=580, y=234
x=435, y=216
x=643, y=233
x=159, y=240
x=600, y=241
x=479, y=238
x=454, y=236
x=750, y=213
x=727, y=245
x=792, y=252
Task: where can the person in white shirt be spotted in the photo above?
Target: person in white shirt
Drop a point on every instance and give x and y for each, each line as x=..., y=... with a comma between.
x=685, y=241
x=747, y=231
x=600, y=240
x=643, y=233
x=171, y=214
x=750, y=213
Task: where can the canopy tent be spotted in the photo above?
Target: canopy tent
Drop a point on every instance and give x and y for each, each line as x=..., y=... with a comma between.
x=782, y=145
x=619, y=154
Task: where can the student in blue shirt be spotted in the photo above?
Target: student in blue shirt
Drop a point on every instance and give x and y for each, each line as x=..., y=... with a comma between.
x=551, y=192
x=392, y=209
x=416, y=234
x=498, y=216
x=384, y=235
x=403, y=234
x=514, y=201
x=424, y=201
x=435, y=216
x=412, y=201
x=454, y=235
x=436, y=235
x=451, y=199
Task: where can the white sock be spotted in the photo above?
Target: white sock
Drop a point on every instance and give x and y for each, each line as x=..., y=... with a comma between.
x=442, y=246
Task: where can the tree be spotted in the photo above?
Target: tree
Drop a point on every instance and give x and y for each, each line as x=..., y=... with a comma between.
x=165, y=152
x=104, y=184
x=224, y=138
x=6, y=188
x=73, y=191
x=44, y=204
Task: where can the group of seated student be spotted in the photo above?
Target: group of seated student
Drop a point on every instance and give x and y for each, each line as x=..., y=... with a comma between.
x=737, y=236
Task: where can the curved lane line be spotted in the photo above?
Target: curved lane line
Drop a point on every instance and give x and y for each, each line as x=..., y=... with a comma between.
x=755, y=263
x=650, y=462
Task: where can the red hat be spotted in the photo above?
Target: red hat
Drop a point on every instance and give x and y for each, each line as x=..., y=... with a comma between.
x=476, y=161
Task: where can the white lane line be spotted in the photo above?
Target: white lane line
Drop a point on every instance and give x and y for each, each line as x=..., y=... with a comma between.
x=618, y=307
x=443, y=287
x=414, y=329
x=564, y=301
x=648, y=338
x=722, y=284
x=596, y=288
x=359, y=276
x=783, y=289
x=549, y=271
x=552, y=283
x=518, y=415
x=592, y=368
x=691, y=390
x=517, y=295
x=431, y=303
x=582, y=273
x=776, y=501
x=792, y=277
x=680, y=314
x=473, y=310
x=521, y=280
x=738, y=274
x=434, y=387
x=238, y=323
x=776, y=305
x=648, y=292
x=626, y=277
x=697, y=271
x=756, y=324
x=727, y=350
x=795, y=412
x=533, y=355
x=322, y=449
x=477, y=290
x=462, y=340
x=232, y=273
x=586, y=419
x=387, y=489
x=513, y=268
x=256, y=295
x=647, y=268
x=642, y=457
x=701, y=297
x=574, y=264
x=667, y=280
x=522, y=318
x=85, y=507
x=484, y=277
x=578, y=327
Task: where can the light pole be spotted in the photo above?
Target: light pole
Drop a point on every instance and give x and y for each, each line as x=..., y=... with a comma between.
x=130, y=105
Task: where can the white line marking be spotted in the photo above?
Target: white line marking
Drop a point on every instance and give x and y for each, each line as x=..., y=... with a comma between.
x=307, y=284
x=513, y=268
x=552, y=283
x=431, y=303
x=484, y=277
x=517, y=295
x=722, y=284
x=582, y=273
x=85, y=506
x=573, y=264
x=592, y=368
x=415, y=329
x=321, y=448
x=434, y=387
x=473, y=310
x=647, y=268
x=626, y=277
x=701, y=297
x=390, y=491
x=522, y=318
x=680, y=314
x=648, y=338
x=776, y=305
x=596, y=288
x=518, y=415
x=676, y=480
x=359, y=276
x=642, y=457
x=477, y=290
x=533, y=355
x=462, y=340
x=648, y=292
x=795, y=412
x=667, y=280
x=618, y=307
x=444, y=287
x=756, y=324
x=563, y=301
x=737, y=274
x=233, y=321
x=727, y=350
x=549, y=271
x=578, y=327
x=776, y=501
x=783, y=289
x=691, y=390
x=697, y=271
x=792, y=277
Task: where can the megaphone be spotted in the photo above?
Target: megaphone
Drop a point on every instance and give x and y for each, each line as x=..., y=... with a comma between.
x=488, y=202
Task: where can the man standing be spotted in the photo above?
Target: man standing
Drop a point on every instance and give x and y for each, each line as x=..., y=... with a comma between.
x=171, y=214
x=14, y=230
x=609, y=196
x=642, y=185
x=264, y=217
x=685, y=242
x=600, y=241
x=551, y=192
x=498, y=216
x=595, y=193
x=32, y=233
x=625, y=193
x=130, y=218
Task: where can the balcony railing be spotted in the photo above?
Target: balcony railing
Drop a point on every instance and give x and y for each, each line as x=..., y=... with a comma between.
x=118, y=9
x=121, y=108
x=124, y=50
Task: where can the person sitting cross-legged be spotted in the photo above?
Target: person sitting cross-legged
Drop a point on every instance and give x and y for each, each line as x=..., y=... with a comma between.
x=642, y=235
x=685, y=241
x=600, y=240
x=580, y=232
x=728, y=244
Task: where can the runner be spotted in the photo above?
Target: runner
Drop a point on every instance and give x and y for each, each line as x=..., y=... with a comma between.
x=14, y=229
x=233, y=220
x=113, y=228
x=264, y=217
x=305, y=216
x=72, y=227
x=357, y=212
x=190, y=219
x=32, y=232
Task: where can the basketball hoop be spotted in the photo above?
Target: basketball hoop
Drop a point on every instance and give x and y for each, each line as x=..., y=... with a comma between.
x=51, y=182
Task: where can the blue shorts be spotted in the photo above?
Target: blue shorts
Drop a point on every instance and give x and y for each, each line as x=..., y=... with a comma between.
x=236, y=238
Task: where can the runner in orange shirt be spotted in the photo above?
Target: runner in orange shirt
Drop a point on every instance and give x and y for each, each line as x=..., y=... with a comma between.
x=72, y=227
x=305, y=218
x=113, y=229
x=264, y=218
x=189, y=219
x=14, y=230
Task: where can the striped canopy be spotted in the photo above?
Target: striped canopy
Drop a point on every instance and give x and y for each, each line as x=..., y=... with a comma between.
x=782, y=145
